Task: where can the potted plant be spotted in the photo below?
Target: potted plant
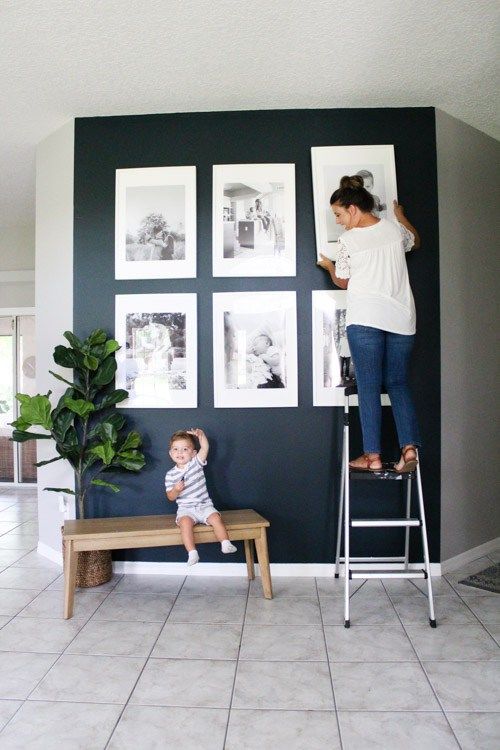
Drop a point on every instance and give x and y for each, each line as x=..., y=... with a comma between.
x=86, y=429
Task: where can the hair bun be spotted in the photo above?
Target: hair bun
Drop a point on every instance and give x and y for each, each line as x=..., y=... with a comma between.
x=354, y=182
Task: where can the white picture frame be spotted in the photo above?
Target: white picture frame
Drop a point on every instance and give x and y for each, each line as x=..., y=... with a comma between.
x=329, y=164
x=332, y=364
x=255, y=349
x=157, y=362
x=155, y=223
x=254, y=220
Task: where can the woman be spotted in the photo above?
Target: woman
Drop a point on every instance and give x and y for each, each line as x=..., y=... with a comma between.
x=380, y=322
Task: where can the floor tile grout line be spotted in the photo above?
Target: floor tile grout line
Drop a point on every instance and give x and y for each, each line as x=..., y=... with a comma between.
x=146, y=661
x=236, y=666
x=465, y=603
x=329, y=666
x=427, y=676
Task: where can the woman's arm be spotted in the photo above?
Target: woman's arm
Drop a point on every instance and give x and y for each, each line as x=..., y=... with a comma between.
x=400, y=216
x=329, y=266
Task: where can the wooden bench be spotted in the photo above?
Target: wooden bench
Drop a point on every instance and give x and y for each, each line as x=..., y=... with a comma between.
x=160, y=531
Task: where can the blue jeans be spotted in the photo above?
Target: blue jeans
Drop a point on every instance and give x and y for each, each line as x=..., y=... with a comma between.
x=382, y=358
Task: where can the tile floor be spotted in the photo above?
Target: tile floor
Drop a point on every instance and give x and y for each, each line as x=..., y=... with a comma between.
x=207, y=663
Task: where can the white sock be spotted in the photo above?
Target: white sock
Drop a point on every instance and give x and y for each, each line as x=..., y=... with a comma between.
x=227, y=547
x=193, y=557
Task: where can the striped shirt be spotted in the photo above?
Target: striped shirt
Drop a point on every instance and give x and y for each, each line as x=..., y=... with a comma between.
x=195, y=488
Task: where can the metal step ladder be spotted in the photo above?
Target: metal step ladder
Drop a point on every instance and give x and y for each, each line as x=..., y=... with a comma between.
x=370, y=567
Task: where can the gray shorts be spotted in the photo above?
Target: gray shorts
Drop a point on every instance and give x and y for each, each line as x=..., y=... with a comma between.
x=199, y=513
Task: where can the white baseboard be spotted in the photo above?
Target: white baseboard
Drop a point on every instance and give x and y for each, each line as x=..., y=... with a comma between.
x=292, y=570
x=49, y=553
x=471, y=554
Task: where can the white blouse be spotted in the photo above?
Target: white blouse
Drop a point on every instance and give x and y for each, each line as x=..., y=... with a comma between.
x=379, y=293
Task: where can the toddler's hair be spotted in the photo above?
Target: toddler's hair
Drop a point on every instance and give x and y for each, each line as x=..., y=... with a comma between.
x=182, y=435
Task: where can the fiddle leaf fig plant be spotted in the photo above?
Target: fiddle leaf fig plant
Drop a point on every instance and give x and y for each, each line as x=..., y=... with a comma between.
x=86, y=430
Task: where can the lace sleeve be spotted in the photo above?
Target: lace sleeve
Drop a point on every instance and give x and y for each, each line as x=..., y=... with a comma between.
x=342, y=265
x=407, y=237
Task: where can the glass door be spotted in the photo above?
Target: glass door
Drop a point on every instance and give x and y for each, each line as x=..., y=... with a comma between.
x=17, y=375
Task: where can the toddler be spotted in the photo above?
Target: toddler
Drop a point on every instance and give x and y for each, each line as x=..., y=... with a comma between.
x=185, y=483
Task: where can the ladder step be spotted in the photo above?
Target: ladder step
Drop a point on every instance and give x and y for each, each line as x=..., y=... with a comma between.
x=365, y=522
x=367, y=573
x=372, y=559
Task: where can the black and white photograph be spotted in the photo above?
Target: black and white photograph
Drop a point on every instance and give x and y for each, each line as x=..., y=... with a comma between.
x=157, y=359
x=333, y=367
x=255, y=349
x=254, y=220
x=155, y=223
x=376, y=167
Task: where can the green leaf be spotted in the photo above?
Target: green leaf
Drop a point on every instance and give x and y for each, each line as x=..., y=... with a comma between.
x=20, y=424
x=102, y=483
x=133, y=440
x=22, y=436
x=66, y=490
x=80, y=406
x=97, y=337
x=67, y=357
x=88, y=461
x=131, y=460
x=111, y=346
x=49, y=461
x=74, y=386
x=112, y=398
x=61, y=423
x=92, y=363
x=105, y=372
x=73, y=340
x=35, y=409
x=115, y=420
x=108, y=432
x=104, y=451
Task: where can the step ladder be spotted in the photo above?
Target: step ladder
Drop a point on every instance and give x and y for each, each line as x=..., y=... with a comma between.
x=370, y=567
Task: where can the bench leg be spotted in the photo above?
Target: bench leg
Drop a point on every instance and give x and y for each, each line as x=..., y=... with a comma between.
x=70, y=565
x=263, y=558
x=249, y=558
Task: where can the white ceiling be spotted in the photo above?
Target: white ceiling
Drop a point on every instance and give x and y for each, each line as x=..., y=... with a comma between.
x=78, y=58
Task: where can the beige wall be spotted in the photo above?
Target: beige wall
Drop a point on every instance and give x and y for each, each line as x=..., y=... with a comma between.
x=17, y=266
x=469, y=221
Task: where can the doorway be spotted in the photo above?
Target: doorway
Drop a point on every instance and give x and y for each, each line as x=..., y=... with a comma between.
x=17, y=375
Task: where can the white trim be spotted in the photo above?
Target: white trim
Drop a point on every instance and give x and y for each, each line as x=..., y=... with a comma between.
x=14, y=311
x=49, y=553
x=471, y=554
x=278, y=570
x=17, y=277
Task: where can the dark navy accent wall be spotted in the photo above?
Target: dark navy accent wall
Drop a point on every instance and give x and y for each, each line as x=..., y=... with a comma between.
x=284, y=463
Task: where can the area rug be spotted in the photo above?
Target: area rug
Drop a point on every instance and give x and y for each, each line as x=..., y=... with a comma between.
x=488, y=579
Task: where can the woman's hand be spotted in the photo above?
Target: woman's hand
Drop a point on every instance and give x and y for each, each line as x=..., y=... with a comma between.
x=326, y=263
x=399, y=211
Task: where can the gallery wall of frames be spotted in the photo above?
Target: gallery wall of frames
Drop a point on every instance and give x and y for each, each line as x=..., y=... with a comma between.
x=196, y=241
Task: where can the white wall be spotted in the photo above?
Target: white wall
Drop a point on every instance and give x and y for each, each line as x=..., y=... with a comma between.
x=54, y=305
x=17, y=266
x=469, y=230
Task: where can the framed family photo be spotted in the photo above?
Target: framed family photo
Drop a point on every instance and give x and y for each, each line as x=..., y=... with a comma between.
x=374, y=164
x=333, y=368
x=155, y=223
x=255, y=349
x=254, y=220
x=157, y=362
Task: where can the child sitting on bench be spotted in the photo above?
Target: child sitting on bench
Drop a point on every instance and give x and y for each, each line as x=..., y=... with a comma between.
x=185, y=483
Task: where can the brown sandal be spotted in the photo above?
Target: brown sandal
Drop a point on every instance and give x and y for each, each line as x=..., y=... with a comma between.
x=409, y=464
x=365, y=463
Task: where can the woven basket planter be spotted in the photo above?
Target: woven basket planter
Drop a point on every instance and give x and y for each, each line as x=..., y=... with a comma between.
x=94, y=568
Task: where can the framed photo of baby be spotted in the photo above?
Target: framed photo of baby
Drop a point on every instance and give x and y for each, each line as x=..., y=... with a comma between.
x=333, y=367
x=374, y=164
x=157, y=362
x=155, y=223
x=254, y=220
x=255, y=349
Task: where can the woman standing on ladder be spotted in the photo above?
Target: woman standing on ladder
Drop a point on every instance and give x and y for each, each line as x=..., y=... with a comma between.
x=371, y=265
